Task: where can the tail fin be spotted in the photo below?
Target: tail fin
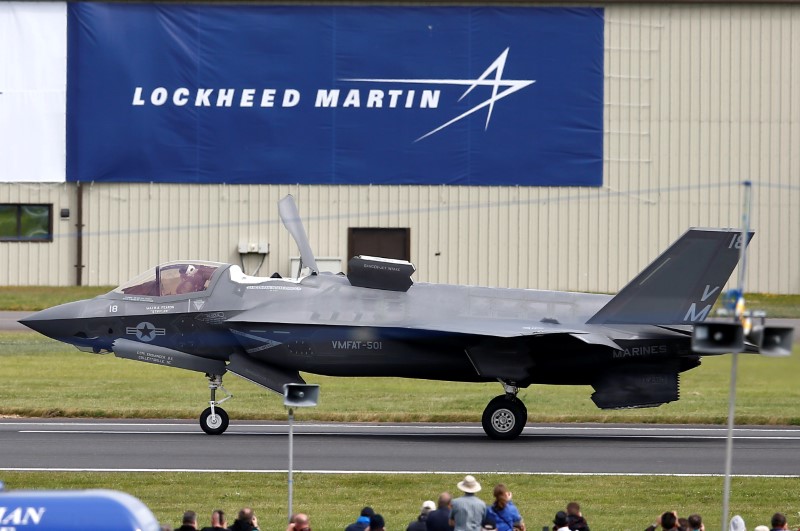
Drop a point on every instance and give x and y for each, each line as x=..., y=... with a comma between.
x=681, y=285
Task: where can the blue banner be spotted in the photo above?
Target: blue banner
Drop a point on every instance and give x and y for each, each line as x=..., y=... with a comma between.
x=335, y=94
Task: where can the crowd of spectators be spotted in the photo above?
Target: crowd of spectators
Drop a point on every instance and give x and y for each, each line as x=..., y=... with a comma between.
x=468, y=513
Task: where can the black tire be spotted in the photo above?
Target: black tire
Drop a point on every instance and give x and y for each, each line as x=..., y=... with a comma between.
x=215, y=425
x=504, y=418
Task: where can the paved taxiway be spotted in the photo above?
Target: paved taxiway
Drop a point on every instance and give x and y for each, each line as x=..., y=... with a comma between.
x=262, y=446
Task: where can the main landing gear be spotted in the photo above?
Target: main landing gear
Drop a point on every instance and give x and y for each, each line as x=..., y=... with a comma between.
x=214, y=420
x=506, y=415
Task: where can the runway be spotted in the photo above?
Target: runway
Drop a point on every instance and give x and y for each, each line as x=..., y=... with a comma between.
x=572, y=449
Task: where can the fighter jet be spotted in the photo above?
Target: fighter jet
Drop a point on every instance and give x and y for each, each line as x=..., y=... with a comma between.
x=376, y=322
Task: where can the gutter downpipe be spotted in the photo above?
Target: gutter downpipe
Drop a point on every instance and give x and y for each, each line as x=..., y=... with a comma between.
x=79, y=237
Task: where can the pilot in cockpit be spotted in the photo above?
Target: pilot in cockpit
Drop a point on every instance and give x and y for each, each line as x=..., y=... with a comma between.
x=191, y=280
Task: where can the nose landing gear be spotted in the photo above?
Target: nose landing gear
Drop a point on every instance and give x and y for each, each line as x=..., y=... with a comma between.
x=214, y=420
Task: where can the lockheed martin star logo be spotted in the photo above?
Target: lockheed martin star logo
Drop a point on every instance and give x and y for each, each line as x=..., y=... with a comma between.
x=496, y=82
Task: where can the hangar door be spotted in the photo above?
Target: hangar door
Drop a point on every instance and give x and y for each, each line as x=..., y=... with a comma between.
x=385, y=243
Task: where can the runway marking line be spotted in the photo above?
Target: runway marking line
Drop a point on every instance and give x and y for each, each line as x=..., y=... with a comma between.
x=417, y=426
x=394, y=472
x=323, y=433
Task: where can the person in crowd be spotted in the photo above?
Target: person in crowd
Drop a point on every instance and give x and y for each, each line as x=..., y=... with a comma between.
x=667, y=521
x=761, y=528
x=468, y=510
x=561, y=522
x=778, y=522
x=683, y=524
x=696, y=523
x=299, y=522
x=189, y=522
x=376, y=523
x=245, y=521
x=489, y=523
x=362, y=522
x=218, y=522
x=421, y=523
x=439, y=520
x=505, y=513
x=575, y=520
x=737, y=524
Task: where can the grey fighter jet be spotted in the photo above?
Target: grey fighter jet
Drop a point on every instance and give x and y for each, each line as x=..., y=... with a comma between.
x=373, y=322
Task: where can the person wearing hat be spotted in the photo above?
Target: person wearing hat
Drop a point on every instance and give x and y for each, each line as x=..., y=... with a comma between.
x=468, y=510
x=561, y=521
x=363, y=520
x=421, y=524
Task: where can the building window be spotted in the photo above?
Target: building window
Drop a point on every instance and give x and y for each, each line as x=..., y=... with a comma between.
x=19, y=222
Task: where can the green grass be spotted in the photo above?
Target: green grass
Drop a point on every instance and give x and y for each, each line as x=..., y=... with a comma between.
x=45, y=378
x=40, y=297
x=785, y=306
x=612, y=503
x=33, y=298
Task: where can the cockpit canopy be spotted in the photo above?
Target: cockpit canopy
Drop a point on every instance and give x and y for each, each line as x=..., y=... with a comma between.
x=172, y=278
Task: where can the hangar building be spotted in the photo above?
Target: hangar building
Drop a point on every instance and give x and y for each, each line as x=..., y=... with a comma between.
x=693, y=99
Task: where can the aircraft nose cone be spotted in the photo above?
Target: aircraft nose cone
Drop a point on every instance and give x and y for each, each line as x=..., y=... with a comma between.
x=36, y=321
x=57, y=322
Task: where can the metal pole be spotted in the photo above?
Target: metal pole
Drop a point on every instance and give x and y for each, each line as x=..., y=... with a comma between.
x=729, y=443
x=291, y=457
x=745, y=234
x=738, y=316
x=79, y=235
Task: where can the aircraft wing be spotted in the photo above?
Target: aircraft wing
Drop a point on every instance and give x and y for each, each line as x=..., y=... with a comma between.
x=516, y=328
x=495, y=328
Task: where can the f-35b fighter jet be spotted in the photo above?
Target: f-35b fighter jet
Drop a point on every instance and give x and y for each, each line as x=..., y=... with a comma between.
x=376, y=322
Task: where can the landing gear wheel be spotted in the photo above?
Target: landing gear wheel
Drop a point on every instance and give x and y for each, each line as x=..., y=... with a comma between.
x=504, y=417
x=215, y=424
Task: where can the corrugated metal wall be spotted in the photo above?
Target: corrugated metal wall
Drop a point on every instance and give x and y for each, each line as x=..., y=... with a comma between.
x=697, y=99
x=41, y=263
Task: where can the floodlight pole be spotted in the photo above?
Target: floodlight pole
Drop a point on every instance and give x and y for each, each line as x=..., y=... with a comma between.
x=291, y=459
x=296, y=395
x=729, y=443
x=738, y=316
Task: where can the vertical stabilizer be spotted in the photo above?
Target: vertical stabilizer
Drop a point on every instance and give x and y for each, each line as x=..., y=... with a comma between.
x=681, y=285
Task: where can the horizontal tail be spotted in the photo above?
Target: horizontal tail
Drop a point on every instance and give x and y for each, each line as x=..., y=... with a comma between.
x=681, y=285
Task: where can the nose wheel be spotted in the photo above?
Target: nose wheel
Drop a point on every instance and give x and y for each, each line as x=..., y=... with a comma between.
x=214, y=420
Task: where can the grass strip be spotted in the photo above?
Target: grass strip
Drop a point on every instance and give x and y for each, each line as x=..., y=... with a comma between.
x=34, y=298
x=614, y=503
x=45, y=378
